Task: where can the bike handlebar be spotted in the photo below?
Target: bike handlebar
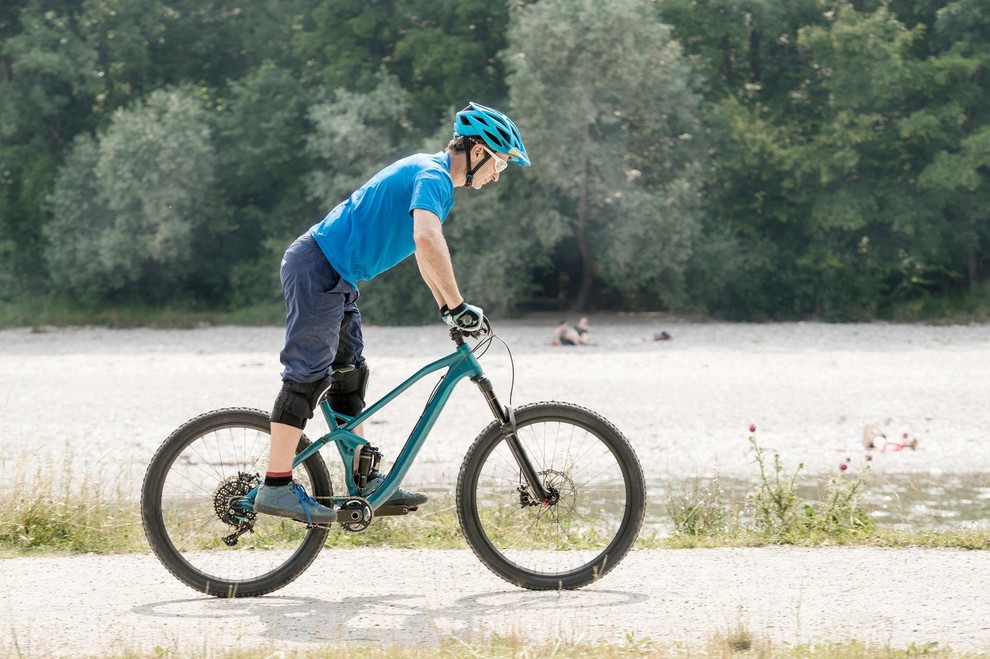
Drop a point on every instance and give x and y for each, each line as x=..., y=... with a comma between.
x=457, y=334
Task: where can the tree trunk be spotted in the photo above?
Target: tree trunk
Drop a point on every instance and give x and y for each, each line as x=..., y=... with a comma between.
x=755, y=71
x=582, y=240
x=727, y=59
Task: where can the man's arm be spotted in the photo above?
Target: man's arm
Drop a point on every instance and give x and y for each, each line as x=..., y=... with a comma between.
x=433, y=258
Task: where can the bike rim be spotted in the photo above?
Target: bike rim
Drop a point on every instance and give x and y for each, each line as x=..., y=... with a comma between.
x=578, y=531
x=190, y=519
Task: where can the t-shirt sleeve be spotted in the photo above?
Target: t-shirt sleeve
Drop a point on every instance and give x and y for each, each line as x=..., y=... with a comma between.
x=431, y=193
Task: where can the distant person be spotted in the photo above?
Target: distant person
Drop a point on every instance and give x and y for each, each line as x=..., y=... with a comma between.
x=874, y=438
x=565, y=335
x=397, y=213
x=582, y=331
x=571, y=335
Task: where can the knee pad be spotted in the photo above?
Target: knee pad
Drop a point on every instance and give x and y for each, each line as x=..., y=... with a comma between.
x=295, y=402
x=346, y=394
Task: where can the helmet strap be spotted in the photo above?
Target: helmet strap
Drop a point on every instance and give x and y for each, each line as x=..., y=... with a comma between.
x=469, y=177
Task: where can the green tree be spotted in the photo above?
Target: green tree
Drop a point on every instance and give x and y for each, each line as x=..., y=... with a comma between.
x=132, y=213
x=356, y=134
x=46, y=84
x=822, y=147
x=261, y=128
x=605, y=101
x=957, y=177
x=889, y=115
x=443, y=52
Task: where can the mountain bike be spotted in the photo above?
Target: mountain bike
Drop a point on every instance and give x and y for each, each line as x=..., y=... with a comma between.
x=549, y=495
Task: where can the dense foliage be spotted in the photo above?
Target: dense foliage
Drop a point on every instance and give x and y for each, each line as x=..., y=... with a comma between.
x=741, y=158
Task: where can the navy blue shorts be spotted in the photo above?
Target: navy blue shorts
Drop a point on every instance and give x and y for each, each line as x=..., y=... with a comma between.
x=322, y=321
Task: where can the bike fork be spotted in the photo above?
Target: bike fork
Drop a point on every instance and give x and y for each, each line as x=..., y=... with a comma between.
x=506, y=417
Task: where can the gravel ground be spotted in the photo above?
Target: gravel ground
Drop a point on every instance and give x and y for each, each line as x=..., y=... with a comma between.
x=95, y=404
x=91, y=605
x=101, y=401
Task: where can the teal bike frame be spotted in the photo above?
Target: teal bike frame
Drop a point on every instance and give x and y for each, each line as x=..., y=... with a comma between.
x=460, y=364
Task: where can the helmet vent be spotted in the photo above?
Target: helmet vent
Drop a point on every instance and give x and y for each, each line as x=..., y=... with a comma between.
x=493, y=139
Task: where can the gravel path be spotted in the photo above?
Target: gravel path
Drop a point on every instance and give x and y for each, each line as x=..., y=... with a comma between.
x=89, y=605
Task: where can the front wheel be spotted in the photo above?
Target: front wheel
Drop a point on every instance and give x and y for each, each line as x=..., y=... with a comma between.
x=595, y=514
x=192, y=484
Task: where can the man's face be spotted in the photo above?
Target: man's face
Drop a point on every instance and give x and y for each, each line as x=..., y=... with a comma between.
x=492, y=168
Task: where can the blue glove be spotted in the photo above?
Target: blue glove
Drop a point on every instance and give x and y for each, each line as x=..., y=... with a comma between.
x=464, y=317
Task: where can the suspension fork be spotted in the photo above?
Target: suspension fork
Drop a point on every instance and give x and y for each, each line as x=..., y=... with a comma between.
x=507, y=418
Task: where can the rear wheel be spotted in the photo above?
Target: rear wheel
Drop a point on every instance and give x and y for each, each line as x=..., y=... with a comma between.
x=193, y=483
x=593, y=518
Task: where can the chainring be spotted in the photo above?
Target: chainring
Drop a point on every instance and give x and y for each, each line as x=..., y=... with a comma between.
x=367, y=514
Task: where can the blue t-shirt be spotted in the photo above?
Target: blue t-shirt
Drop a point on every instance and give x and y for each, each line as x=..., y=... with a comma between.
x=373, y=229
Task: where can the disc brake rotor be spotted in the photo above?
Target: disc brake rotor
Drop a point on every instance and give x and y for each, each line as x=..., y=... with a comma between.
x=564, y=488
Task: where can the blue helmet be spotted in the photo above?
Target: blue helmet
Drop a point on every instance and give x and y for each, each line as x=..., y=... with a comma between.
x=494, y=128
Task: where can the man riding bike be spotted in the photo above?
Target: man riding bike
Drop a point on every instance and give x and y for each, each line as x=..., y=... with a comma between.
x=398, y=212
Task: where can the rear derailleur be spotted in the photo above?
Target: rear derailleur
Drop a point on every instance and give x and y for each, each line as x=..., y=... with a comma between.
x=232, y=507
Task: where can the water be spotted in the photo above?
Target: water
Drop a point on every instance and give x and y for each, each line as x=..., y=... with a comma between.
x=915, y=502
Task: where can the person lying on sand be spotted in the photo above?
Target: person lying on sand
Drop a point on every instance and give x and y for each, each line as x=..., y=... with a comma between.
x=874, y=438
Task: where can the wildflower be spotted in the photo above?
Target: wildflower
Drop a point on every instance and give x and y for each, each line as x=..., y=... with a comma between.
x=752, y=427
x=843, y=466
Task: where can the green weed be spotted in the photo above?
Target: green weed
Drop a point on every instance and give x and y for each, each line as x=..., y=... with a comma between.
x=697, y=508
x=781, y=516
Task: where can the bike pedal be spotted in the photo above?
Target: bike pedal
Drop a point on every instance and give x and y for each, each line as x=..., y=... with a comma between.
x=386, y=511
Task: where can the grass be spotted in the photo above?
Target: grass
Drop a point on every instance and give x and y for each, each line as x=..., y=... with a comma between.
x=41, y=312
x=58, y=513
x=52, y=513
x=59, y=521
x=737, y=642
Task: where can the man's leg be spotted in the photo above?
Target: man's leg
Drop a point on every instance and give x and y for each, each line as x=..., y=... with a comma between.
x=349, y=398
x=285, y=439
x=315, y=297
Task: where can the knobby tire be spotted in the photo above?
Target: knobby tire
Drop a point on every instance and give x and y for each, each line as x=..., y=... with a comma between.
x=185, y=478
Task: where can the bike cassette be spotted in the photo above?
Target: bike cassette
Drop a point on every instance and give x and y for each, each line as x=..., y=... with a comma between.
x=355, y=514
x=228, y=501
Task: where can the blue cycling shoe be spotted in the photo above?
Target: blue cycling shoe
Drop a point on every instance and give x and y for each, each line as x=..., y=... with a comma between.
x=400, y=497
x=293, y=502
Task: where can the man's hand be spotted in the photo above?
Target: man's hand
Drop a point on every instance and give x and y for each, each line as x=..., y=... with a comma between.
x=464, y=316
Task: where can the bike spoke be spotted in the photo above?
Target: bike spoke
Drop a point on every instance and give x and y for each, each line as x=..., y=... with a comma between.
x=563, y=536
x=204, y=473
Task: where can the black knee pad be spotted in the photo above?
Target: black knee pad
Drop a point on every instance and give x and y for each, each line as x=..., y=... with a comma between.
x=295, y=402
x=346, y=394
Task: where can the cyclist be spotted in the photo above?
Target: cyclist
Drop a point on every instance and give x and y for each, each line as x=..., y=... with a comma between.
x=398, y=212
